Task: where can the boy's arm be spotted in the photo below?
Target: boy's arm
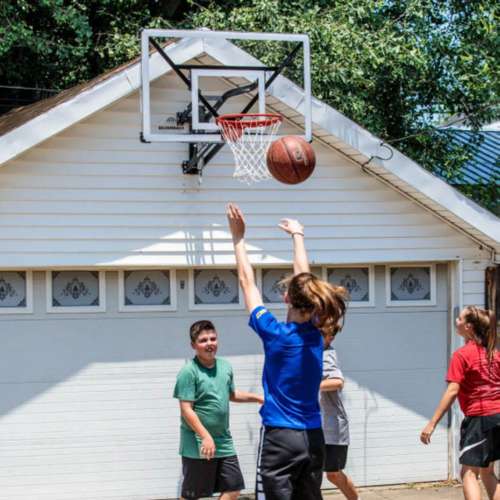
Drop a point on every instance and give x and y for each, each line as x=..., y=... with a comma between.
x=331, y=384
x=246, y=275
x=207, y=448
x=246, y=397
x=296, y=230
x=449, y=396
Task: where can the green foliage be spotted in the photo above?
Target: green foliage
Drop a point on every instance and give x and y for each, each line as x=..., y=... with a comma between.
x=57, y=43
x=43, y=44
x=395, y=66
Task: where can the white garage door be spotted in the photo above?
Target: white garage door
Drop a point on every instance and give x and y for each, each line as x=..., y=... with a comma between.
x=86, y=409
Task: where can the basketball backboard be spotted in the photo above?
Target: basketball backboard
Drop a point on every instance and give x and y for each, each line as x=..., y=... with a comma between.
x=194, y=120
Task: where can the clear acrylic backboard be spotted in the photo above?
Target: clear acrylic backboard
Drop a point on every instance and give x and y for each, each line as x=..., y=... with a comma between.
x=195, y=120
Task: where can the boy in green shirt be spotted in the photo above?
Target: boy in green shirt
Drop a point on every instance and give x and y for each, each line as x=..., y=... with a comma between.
x=204, y=388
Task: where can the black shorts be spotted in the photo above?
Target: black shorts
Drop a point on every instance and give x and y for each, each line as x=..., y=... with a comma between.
x=203, y=477
x=335, y=457
x=290, y=464
x=480, y=440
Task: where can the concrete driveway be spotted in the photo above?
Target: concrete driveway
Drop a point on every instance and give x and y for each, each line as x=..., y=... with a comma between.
x=419, y=491
x=408, y=492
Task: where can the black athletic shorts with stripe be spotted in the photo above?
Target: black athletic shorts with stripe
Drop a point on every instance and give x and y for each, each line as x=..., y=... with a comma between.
x=203, y=478
x=290, y=464
x=480, y=440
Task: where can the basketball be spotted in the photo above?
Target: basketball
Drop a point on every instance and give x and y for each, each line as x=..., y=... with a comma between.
x=291, y=159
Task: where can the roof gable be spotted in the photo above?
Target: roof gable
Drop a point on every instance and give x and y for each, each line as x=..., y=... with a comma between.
x=29, y=127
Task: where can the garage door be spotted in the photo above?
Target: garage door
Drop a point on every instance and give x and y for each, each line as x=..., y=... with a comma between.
x=86, y=409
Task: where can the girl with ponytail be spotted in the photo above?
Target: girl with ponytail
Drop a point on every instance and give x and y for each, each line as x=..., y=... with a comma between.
x=290, y=462
x=474, y=377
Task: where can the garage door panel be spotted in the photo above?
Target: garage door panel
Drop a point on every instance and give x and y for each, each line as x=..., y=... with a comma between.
x=91, y=413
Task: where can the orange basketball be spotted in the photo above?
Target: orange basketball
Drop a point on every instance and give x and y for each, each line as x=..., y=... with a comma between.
x=291, y=159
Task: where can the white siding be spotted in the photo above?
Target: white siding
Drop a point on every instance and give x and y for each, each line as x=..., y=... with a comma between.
x=474, y=282
x=90, y=414
x=95, y=195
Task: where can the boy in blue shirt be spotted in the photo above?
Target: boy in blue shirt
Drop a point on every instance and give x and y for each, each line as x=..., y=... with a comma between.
x=292, y=443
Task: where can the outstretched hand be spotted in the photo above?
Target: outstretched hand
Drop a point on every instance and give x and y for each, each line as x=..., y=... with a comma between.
x=236, y=221
x=291, y=226
x=425, y=435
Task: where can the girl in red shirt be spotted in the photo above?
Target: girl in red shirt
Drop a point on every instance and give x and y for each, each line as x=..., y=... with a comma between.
x=474, y=376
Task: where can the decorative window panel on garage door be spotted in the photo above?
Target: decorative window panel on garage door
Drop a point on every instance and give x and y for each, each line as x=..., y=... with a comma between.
x=359, y=281
x=214, y=289
x=15, y=292
x=147, y=290
x=411, y=285
x=272, y=285
x=75, y=291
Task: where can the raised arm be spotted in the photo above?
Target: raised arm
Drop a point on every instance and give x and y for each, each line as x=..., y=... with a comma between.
x=296, y=230
x=246, y=274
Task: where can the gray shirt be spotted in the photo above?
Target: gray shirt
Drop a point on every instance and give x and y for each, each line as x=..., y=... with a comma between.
x=333, y=414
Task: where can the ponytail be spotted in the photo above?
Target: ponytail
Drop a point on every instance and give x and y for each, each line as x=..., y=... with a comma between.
x=484, y=324
x=325, y=302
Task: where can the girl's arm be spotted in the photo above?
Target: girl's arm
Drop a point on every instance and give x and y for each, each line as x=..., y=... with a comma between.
x=207, y=448
x=296, y=230
x=246, y=275
x=331, y=384
x=449, y=396
x=246, y=397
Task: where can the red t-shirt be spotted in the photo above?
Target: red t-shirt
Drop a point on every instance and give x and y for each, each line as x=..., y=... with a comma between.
x=479, y=393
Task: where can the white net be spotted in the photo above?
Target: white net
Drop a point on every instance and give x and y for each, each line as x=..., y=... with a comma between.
x=249, y=137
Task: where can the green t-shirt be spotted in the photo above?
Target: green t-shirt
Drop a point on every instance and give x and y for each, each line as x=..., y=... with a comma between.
x=209, y=389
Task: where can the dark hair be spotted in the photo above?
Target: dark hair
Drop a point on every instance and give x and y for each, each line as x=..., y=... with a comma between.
x=484, y=325
x=326, y=303
x=196, y=328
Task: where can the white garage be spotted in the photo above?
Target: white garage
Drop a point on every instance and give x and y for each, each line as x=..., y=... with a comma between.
x=108, y=253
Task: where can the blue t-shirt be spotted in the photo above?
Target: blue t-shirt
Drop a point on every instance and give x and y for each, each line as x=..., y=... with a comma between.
x=292, y=371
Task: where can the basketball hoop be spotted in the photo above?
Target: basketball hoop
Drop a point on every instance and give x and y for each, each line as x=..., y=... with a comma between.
x=249, y=136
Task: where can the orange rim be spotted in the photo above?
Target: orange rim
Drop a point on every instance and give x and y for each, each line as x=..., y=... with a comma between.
x=238, y=121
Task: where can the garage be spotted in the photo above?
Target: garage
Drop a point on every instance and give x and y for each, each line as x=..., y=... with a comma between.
x=109, y=253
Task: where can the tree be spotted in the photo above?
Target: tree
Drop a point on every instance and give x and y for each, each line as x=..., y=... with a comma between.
x=55, y=44
x=397, y=67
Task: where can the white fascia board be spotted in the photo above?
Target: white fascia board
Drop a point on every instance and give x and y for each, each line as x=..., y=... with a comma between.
x=90, y=101
x=63, y=116
x=368, y=145
x=442, y=193
x=408, y=171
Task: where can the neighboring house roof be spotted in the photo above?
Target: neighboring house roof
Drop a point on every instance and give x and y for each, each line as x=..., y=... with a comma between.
x=30, y=126
x=484, y=165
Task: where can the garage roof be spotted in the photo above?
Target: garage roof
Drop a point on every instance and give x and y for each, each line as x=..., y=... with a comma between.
x=26, y=127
